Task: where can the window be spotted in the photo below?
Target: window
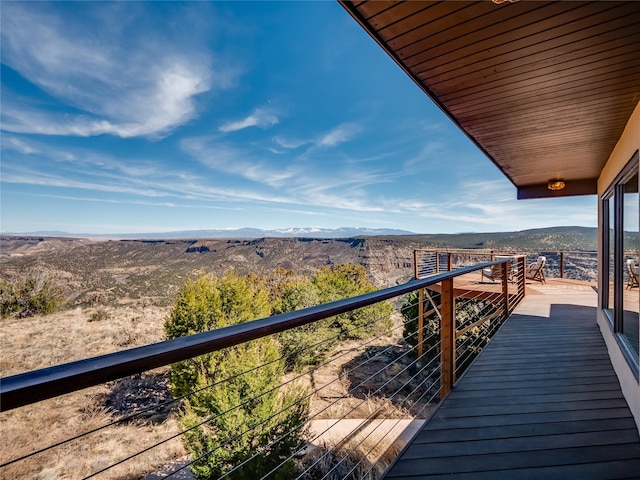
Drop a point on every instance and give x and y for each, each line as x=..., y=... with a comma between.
x=621, y=258
x=609, y=242
x=630, y=297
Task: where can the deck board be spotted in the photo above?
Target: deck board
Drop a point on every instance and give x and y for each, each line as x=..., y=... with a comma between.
x=541, y=401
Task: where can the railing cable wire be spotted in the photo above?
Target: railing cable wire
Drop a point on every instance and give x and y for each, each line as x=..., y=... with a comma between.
x=352, y=389
x=211, y=418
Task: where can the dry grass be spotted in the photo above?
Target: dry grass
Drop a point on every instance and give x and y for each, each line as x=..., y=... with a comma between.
x=349, y=396
x=36, y=426
x=43, y=341
x=362, y=459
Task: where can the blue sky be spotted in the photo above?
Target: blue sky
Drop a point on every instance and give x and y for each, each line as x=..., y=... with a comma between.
x=135, y=117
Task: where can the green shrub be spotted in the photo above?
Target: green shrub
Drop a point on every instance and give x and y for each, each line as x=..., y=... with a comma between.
x=310, y=345
x=211, y=302
x=431, y=325
x=207, y=303
x=349, y=280
x=468, y=311
x=300, y=345
x=35, y=294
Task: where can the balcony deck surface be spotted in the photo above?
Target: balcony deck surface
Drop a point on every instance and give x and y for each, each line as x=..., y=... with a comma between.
x=541, y=401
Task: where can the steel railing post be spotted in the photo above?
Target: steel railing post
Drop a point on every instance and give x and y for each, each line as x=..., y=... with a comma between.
x=447, y=338
x=522, y=274
x=420, y=324
x=505, y=287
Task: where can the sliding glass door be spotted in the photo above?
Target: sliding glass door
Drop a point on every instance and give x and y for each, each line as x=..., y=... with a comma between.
x=631, y=270
x=621, y=259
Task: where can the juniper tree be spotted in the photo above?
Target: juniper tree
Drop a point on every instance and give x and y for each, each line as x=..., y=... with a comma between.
x=230, y=421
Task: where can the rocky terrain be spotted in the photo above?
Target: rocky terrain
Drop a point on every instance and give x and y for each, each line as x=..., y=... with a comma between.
x=119, y=294
x=95, y=271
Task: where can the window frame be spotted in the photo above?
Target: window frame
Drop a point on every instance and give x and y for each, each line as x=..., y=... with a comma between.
x=615, y=193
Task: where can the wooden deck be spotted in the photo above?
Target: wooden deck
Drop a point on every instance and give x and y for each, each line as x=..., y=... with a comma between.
x=472, y=285
x=541, y=402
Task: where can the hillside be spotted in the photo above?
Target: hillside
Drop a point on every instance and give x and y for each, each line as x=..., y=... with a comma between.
x=552, y=238
x=111, y=271
x=120, y=293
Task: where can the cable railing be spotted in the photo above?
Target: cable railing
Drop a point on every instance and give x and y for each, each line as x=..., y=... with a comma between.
x=272, y=413
x=566, y=264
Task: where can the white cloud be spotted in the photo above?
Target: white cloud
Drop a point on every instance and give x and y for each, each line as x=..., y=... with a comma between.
x=14, y=143
x=490, y=205
x=289, y=143
x=225, y=158
x=432, y=150
x=342, y=133
x=142, y=84
x=156, y=186
x=262, y=118
x=299, y=183
x=336, y=136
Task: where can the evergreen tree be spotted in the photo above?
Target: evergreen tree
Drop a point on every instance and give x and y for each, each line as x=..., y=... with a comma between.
x=349, y=280
x=311, y=344
x=230, y=421
x=248, y=412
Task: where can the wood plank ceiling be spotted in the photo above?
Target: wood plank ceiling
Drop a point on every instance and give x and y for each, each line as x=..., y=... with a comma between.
x=544, y=89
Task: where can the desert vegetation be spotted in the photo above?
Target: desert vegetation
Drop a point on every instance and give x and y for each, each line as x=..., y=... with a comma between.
x=231, y=390
x=216, y=383
x=468, y=311
x=205, y=301
x=114, y=272
x=67, y=335
x=111, y=295
x=29, y=295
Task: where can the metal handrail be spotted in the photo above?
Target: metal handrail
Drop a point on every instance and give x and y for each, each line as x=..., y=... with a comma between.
x=494, y=252
x=30, y=387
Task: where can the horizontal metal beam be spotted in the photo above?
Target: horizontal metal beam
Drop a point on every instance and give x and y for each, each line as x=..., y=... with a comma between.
x=30, y=387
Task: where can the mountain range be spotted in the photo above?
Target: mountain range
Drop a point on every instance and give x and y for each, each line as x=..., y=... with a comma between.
x=154, y=267
x=247, y=233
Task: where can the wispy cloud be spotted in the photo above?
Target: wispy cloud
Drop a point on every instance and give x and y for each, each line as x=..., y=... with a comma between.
x=14, y=143
x=334, y=137
x=90, y=171
x=222, y=157
x=261, y=117
x=289, y=143
x=130, y=201
x=141, y=187
x=492, y=206
x=303, y=182
x=430, y=151
x=341, y=134
x=140, y=84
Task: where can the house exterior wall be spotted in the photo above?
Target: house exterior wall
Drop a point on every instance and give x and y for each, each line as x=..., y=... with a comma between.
x=627, y=145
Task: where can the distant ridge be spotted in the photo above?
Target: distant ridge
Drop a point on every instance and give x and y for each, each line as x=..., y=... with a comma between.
x=239, y=233
x=565, y=238
x=155, y=267
x=558, y=238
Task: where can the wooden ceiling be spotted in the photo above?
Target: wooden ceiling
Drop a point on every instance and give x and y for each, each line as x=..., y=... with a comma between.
x=544, y=89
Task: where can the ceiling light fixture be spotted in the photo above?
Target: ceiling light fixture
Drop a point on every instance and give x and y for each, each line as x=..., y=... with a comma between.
x=555, y=184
